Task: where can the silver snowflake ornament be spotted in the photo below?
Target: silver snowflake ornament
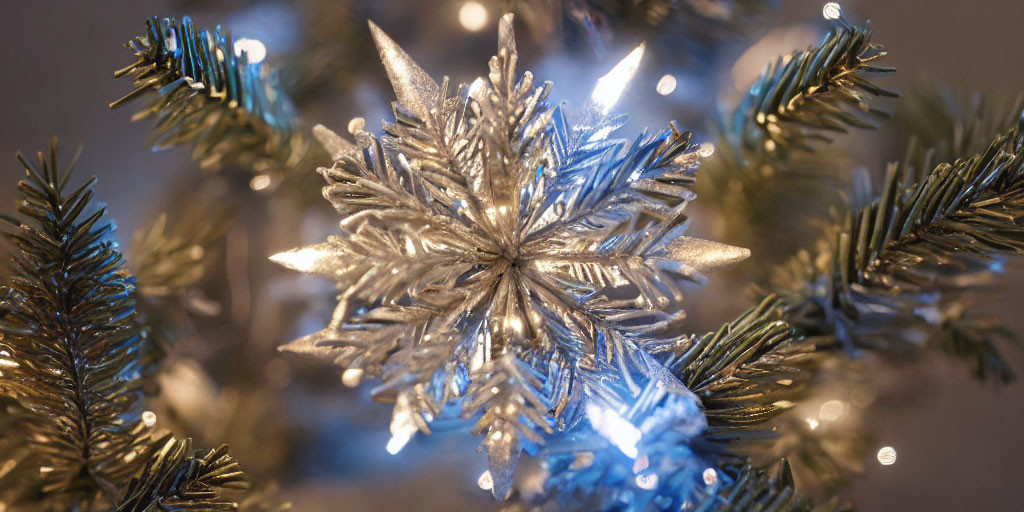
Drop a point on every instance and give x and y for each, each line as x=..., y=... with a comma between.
x=503, y=260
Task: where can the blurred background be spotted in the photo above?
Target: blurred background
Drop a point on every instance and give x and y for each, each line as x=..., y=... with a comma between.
x=292, y=421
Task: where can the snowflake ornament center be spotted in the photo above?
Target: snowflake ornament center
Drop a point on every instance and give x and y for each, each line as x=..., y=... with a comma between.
x=508, y=260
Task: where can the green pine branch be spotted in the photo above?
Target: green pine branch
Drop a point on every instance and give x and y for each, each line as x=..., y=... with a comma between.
x=808, y=94
x=177, y=478
x=756, y=489
x=74, y=355
x=896, y=271
x=767, y=152
x=203, y=91
x=72, y=336
x=748, y=372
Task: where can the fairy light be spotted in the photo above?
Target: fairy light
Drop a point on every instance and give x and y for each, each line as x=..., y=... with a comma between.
x=647, y=482
x=610, y=87
x=710, y=476
x=303, y=260
x=254, y=49
x=832, y=11
x=473, y=16
x=352, y=377
x=485, y=482
x=887, y=456
x=259, y=182
x=832, y=410
x=666, y=85
x=149, y=418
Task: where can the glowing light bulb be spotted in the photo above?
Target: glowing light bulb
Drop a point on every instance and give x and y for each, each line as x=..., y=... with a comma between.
x=710, y=476
x=705, y=150
x=259, y=182
x=615, y=429
x=812, y=423
x=832, y=11
x=396, y=443
x=303, y=260
x=352, y=377
x=666, y=85
x=254, y=49
x=149, y=418
x=403, y=425
x=887, y=456
x=485, y=482
x=610, y=87
x=473, y=16
x=832, y=410
x=647, y=482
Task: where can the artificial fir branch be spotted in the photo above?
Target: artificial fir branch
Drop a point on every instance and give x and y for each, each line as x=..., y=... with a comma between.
x=177, y=478
x=204, y=91
x=169, y=257
x=73, y=352
x=747, y=372
x=766, y=146
x=807, y=94
x=946, y=123
x=750, y=488
x=71, y=332
x=895, y=270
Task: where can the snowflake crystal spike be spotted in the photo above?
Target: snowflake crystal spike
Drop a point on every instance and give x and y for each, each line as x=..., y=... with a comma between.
x=504, y=261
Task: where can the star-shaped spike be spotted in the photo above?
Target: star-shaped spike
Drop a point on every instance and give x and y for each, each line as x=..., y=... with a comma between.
x=416, y=91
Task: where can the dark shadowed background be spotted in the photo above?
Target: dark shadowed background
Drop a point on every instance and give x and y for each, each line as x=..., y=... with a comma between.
x=959, y=443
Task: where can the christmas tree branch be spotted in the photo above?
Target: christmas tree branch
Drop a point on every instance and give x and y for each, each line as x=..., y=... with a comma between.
x=898, y=268
x=71, y=333
x=750, y=488
x=209, y=91
x=178, y=478
x=74, y=354
x=765, y=147
x=747, y=372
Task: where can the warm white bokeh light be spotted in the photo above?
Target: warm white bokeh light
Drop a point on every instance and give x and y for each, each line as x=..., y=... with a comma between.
x=887, y=456
x=832, y=11
x=473, y=16
x=666, y=85
x=253, y=48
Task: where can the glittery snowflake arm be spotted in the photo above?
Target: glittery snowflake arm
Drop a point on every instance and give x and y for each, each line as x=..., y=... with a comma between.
x=506, y=258
x=733, y=489
x=210, y=91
